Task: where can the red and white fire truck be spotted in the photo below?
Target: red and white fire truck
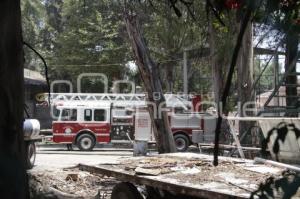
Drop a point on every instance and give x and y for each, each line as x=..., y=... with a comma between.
x=87, y=119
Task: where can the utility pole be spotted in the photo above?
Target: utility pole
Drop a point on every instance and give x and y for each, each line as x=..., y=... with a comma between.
x=276, y=77
x=185, y=72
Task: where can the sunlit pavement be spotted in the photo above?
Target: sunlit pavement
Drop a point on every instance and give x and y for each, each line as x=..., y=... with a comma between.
x=57, y=156
x=53, y=157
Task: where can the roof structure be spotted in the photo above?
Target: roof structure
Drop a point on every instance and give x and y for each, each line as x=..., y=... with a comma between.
x=32, y=77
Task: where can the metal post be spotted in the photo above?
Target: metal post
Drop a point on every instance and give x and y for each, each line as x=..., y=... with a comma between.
x=236, y=139
x=185, y=71
x=259, y=72
x=276, y=77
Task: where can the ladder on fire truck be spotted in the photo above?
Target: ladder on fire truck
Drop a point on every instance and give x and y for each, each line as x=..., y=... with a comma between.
x=171, y=99
x=95, y=97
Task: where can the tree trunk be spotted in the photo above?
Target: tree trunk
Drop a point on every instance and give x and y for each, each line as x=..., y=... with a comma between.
x=219, y=58
x=245, y=80
x=13, y=179
x=219, y=63
x=217, y=72
x=150, y=75
x=169, y=67
x=290, y=65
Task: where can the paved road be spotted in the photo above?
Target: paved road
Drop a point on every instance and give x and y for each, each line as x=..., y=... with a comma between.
x=56, y=157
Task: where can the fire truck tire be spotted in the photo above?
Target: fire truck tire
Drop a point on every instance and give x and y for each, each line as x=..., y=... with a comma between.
x=30, y=152
x=86, y=142
x=125, y=190
x=181, y=142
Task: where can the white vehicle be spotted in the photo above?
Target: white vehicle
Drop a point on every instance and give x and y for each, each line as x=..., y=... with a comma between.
x=31, y=129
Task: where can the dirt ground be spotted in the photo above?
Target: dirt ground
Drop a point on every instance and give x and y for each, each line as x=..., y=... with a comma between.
x=49, y=178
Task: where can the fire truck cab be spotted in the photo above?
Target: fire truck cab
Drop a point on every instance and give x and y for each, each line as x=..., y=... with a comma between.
x=82, y=124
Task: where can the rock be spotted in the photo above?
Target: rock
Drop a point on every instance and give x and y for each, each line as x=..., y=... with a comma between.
x=72, y=176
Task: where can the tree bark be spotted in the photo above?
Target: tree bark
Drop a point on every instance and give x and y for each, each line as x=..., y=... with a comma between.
x=217, y=66
x=13, y=179
x=243, y=27
x=150, y=75
x=245, y=79
x=169, y=68
x=219, y=63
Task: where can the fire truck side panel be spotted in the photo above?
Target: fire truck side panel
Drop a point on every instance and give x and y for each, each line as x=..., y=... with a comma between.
x=181, y=123
x=66, y=132
x=74, y=120
x=59, y=132
x=186, y=123
x=95, y=117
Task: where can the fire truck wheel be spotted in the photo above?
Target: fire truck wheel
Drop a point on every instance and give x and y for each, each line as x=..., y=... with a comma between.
x=30, y=153
x=125, y=190
x=181, y=142
x=86, y=142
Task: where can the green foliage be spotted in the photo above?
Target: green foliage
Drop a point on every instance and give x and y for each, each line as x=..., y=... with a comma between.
x=266, y=81
x=91, y=37
x=168, y=35
x=77, y=37
x=32, y=22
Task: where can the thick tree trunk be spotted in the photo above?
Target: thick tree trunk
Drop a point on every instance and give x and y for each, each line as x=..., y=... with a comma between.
x=290, y=65
x=219, y=60
x=245, y=79
x=150, y=75
x=219, y=63
x=217, y=70
x=169, y=76
x=13, y=180
x=243, y=27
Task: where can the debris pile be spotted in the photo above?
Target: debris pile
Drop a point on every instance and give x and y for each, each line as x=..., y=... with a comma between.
x=161, y=165
x=231, y=174
x=69, y=183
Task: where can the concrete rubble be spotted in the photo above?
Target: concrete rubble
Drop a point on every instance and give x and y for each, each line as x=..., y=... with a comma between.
x=69, y=183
